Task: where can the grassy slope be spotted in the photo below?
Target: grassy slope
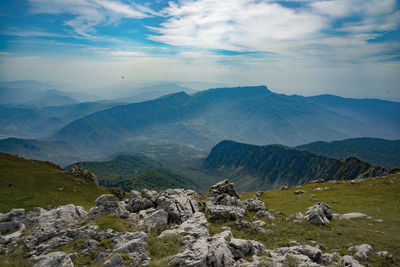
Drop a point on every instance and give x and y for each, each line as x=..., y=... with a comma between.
x=378, y=198
x=36, y=184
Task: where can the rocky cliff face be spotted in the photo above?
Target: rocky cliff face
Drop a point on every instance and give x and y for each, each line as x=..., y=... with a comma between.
x=273, y=166
x=44, y=235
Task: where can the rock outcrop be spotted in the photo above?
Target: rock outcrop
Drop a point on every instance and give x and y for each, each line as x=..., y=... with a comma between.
x=320, y=213
x=83, y=174
x=172, y=212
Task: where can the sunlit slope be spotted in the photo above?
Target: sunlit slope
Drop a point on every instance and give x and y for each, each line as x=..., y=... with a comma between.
x=29, y=183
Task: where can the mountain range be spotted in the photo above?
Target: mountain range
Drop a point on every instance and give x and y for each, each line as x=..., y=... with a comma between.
x=385, y=153
x=254, y=167
x=245, y=114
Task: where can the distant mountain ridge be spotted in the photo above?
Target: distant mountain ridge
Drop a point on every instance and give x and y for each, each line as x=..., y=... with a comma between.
x=61, y=153
x=40, y=122
x=254, y=167
x=385, y=153
x=244, y=114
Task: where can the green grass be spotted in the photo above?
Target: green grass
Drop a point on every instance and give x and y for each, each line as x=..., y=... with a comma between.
x=113, y=222
x=378, y=198
x=162, y=248
x=29, y=183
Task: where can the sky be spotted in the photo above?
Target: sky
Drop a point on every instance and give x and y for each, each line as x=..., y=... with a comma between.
x=344, y=47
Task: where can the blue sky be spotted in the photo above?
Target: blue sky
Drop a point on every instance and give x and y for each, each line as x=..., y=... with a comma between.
x=344, y=47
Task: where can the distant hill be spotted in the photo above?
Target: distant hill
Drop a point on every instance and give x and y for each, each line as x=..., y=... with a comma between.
x=38, y=98
x=61, y=153
x=40, y=122
x=244, y=114
x=264, y=167
x=135, y=172
x=385, y=153
x=28, y=183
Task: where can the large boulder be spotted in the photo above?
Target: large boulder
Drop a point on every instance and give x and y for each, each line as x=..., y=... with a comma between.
x=151, y=220
x=304, y=255
x=225, y=213
x=320, y=213
x=180, y=204
x=61, y=215
x=106, y=205
x=219, y=250
x=137, y=202
x=227, y=200
x=196, y=226
x=241, y=248
x=253, y=204
x=223, y=187
x=206, y=252
x=133, y=244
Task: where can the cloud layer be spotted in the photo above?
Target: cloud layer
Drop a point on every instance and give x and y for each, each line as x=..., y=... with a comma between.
x=265, y=25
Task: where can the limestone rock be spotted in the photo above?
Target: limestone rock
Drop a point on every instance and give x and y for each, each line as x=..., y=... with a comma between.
x=320, y=213
x=196, y=226
x=253, y=204
x=151, y=219
x=61, y=215
x=318, y=181
x=223, y=187
x=299, y=192
x=55, y=259
x=362, y=251
x=297, y=217
x=241, y=248
x=264, y=214
x=227, y=200
x=206, y=252
x=349, y=261
x=134, y=244
x=151, y=195
x=180, y=204
x=351, y=215
x=85, y=175
x=219, y=212
x=106, y=205
x=115, y=261
x=137, y=202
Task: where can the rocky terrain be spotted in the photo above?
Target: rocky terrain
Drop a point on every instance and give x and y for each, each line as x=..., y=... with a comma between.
x=124, y=232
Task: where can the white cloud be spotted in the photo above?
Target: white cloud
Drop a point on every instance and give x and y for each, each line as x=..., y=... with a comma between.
x=235, y=24
x=269, y=26
x=32, y=33
x=89, y=13
x=126, y=53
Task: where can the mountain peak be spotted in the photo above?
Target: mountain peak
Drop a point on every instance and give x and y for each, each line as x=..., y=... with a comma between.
x=236, y=92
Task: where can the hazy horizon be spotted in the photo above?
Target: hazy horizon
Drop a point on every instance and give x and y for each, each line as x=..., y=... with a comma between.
x=306, y=47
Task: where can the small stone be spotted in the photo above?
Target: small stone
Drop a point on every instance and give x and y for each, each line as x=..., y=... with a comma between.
x=115, y=261
x=349, y=261
x=362, y=251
